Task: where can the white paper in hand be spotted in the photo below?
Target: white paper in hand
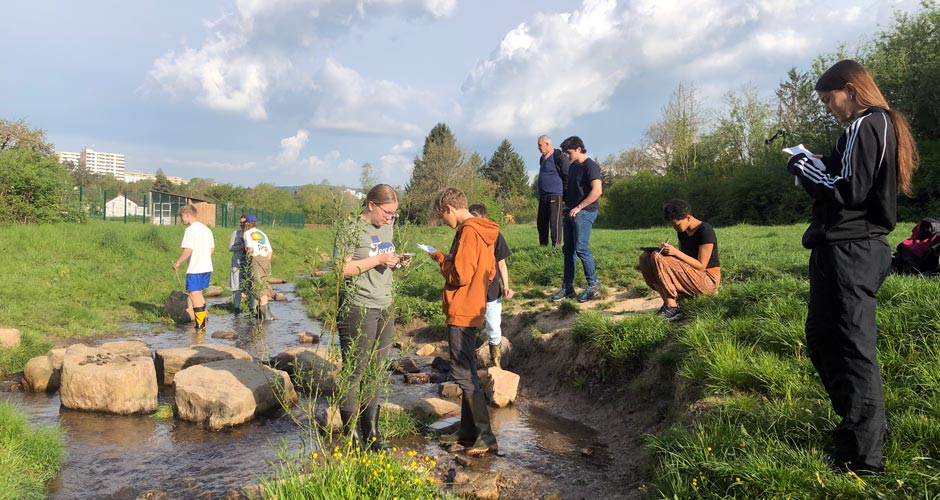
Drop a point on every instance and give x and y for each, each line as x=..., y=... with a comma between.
x=799, y=148
x=427, y=248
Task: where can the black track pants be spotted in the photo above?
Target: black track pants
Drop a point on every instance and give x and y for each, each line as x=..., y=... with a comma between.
x=548, y=219
x=841, y=339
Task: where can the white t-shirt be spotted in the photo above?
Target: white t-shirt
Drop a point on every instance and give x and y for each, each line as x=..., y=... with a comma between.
x=257, y=243
x=199, y=238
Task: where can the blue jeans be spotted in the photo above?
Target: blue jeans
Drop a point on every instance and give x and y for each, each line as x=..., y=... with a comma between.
x=577, y=237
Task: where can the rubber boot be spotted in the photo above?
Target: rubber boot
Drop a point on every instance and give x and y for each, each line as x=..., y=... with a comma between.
x=349, y=430
x=467, y=434
x=486, y=441
x=237, y=302
x=495, y=355
x=266, y=313
x=369, y=423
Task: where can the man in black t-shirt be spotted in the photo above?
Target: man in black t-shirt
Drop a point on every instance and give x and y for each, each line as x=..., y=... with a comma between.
x=581, y=195
x=693, y=268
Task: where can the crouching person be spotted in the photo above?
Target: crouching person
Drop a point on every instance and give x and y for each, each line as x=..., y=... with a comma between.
x=691, y=269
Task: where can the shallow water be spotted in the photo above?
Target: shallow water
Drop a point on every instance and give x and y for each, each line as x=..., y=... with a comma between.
x=120, y=457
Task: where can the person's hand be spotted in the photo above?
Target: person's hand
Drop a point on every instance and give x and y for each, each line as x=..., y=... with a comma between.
x=667, y=249
x=508, y=293
x=388, y=259
x=574, y=211
x=796, y=163
x=176, y=265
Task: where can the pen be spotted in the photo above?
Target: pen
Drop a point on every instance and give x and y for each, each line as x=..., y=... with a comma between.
x=661, y=247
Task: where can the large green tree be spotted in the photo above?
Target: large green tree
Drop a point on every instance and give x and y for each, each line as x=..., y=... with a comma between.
x=443, y=163
x=34, y=189
x=506, y=170
x=19, y=135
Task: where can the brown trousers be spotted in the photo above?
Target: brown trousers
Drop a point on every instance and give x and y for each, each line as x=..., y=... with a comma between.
x=670, y=276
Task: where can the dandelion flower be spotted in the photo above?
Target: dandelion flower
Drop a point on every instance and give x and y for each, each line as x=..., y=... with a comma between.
x=412, y=453
x=708, y=449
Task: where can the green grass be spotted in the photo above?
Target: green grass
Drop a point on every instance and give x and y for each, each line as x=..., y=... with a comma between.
x=349, y=474
x=30, y=457
x=79, y=280
x=761, y=419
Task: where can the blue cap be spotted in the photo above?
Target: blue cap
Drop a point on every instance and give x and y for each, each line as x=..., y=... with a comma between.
x=251, y=219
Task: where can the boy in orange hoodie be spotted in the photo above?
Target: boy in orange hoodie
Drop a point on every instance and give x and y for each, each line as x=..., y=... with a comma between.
x=468, y=270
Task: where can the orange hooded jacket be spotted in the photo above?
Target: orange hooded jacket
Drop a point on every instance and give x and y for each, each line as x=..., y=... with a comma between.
x=468, y=270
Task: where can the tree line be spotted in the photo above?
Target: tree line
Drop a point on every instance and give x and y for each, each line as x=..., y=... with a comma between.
x=727, y=162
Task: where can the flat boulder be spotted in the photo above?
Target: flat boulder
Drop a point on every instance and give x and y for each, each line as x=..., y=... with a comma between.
x=230, y=392
x=313, y=369
x=500, y=386
x=96, y=379
x=171, y=361
x=424, y=408
x=179, y=308
x=9, y=338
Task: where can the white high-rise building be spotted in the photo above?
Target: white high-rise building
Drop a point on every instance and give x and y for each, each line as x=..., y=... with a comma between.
x=97, y=162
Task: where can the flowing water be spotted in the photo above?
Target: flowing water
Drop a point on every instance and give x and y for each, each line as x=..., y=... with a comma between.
x=121, y=457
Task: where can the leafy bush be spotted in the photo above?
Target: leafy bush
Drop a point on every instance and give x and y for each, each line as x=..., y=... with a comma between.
x=34, y=188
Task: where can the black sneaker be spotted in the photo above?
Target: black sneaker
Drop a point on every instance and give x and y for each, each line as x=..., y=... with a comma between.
x=562, y=294
x=672, y=313
x=858, y=469
x=590, y=293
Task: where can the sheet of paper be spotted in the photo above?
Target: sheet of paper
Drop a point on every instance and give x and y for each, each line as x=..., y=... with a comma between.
x=427, y=248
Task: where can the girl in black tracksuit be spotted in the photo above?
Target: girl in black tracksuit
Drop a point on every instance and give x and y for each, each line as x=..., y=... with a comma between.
x=854, y=208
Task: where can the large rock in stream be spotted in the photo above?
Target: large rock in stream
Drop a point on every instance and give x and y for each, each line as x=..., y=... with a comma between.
x=313, y=369
x=117, y=377
x=170, y=361
x=179, y=308
x=230, y=392
x=44, y=373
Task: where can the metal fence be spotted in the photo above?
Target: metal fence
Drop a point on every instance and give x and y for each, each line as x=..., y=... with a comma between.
x=154, y=207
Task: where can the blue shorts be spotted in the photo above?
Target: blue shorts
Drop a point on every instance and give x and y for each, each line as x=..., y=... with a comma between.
x=197, y=282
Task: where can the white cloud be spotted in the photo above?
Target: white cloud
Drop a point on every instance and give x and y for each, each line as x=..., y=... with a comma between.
x=291, y=146
x=262, y=45
x=550, y=70
x=352, y=103
x=404, y=146
x=210, y=165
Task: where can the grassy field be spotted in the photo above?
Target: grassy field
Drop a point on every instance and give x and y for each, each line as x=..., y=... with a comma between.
x=761, y=422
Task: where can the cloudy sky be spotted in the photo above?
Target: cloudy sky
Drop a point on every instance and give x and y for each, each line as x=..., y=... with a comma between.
x=297, y=91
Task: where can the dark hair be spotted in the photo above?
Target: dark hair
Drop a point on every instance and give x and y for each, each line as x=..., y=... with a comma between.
x=573, y=142
x=676, y=209
x=848, y=74
x=478, y=209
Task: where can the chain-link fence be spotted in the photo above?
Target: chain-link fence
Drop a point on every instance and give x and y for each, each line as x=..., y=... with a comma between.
x=155, y=207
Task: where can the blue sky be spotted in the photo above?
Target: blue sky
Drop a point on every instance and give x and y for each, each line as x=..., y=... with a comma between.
x=297, y=91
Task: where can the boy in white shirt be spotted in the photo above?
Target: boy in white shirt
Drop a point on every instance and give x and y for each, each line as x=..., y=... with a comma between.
x=198, y=246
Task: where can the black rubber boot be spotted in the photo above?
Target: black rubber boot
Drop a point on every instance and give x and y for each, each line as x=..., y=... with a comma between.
x=467, y=433
x=486, y=440
x=369, y=423
x=349, y=430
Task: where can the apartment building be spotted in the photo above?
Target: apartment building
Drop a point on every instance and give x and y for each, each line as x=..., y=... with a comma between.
x=97, y=162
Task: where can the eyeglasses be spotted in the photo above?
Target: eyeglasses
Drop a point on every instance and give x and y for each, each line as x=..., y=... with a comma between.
x=386, y=213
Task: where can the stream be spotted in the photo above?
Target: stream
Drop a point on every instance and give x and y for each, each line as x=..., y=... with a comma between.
x=124, y=457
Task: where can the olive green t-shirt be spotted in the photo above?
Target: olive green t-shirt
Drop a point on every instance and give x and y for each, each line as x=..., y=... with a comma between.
x=373, y=288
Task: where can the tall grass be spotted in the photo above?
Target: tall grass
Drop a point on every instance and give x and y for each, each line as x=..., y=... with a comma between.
x=30, y=457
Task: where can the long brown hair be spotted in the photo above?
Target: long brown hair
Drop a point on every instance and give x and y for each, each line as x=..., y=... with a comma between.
x=850, y=74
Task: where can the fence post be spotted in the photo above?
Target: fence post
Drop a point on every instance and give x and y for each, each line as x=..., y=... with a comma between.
x=125, y=207
x=104, y=205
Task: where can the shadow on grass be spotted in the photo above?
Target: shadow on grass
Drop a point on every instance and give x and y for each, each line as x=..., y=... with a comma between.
x=147, y=310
